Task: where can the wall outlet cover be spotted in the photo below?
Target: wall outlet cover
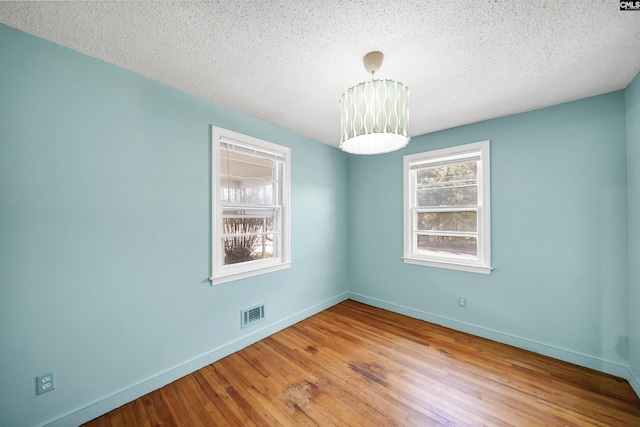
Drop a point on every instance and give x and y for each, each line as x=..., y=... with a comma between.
x=45, y=383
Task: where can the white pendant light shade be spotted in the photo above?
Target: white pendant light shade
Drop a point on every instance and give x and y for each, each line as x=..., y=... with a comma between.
x=374, y=114
x=374, y=117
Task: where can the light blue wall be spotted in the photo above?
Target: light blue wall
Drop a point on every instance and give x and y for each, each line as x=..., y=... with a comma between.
x=105, y=234
x=633, y=191
x=559, y=245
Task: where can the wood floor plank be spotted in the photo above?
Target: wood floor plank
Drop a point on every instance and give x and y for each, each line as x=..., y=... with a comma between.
x=357, y=365
x=230, y=402
x=194, y=397
x=219, y=410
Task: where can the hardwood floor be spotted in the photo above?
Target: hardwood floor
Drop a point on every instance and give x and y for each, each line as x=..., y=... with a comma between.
x=356, y=365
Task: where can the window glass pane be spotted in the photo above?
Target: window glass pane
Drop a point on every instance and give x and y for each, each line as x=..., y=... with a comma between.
x=456, y=172
x=246, y=179
x=448, y=196
x=248, y=248
x=231, y=193
x=243, y=225
x=236, y=249
x=248, y=166
x=449, y=246
x=248, y=234
x=232, y=162
x=448, y=221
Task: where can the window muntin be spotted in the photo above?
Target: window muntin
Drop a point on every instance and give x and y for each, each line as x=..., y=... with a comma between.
x=447, y=208
x=250, y=224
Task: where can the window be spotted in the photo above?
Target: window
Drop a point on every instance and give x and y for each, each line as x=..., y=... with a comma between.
x=446, y=208
x=250, y=211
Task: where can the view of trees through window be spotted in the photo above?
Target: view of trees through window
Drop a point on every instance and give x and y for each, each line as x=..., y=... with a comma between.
x=247, y=238
x=447, y=220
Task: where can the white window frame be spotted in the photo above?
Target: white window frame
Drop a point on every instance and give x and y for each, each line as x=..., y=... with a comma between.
x=458, y=153
x=225, y=273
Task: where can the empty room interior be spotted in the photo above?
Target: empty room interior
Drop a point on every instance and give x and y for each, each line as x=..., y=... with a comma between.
x=192, y=197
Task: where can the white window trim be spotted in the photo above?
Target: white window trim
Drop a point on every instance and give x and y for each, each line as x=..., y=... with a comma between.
x=226, y=273
x=483, y=264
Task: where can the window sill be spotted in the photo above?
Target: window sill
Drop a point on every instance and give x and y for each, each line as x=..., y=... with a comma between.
x=471, y=268
x=237, y=275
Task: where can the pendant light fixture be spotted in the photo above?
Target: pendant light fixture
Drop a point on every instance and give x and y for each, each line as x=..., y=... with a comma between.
x=374, y=114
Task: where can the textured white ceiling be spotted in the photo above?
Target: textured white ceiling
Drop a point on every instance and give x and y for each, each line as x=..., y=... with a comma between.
x=288, y=61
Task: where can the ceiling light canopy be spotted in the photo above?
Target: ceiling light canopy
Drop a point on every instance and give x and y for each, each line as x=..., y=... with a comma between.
x=374, y=114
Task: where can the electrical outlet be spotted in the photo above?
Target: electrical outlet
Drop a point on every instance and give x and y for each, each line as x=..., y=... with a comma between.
x=45, y=383
x=462, y=301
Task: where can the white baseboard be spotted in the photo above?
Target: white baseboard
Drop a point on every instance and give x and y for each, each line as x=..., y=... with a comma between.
x=634, y=381
x=126, y=395
x=592, y=362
